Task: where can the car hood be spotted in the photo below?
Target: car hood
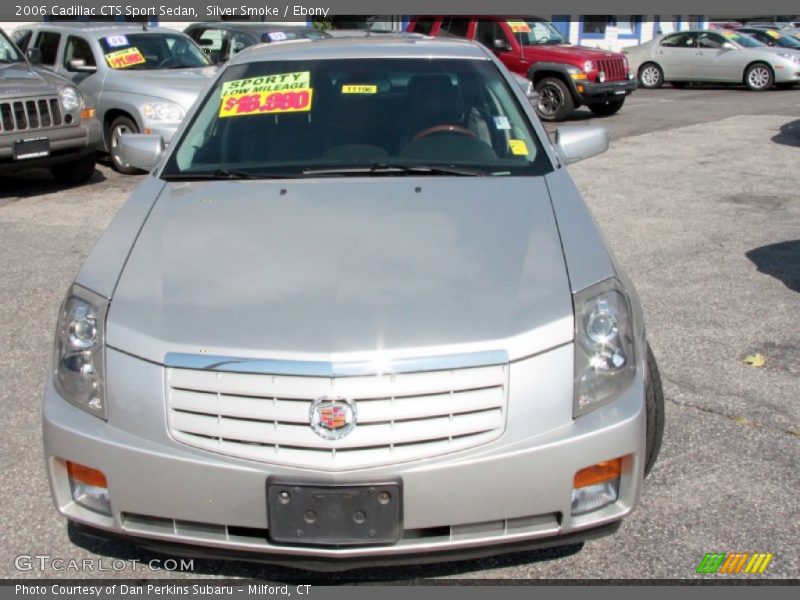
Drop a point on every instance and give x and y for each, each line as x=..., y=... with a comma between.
x=566, y=53
x=181, y=86
x=19, y=79
x=334, y=269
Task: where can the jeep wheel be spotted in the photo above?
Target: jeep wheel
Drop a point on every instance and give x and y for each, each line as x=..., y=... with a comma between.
x=119, y=127
x=654, y=405
x=76, y=171
x=650, y=76
x=606, y=109
x=555, y=100
x=758, y=77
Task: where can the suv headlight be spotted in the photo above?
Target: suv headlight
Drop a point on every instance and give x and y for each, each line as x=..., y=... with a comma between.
x=162, y=111
x=70, y=99
x=588, y=66
x=605, y=359
x=79, y=353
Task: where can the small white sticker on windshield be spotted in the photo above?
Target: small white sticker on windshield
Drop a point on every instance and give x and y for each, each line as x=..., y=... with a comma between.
x=502, y=123
x=277, y=36
x=115, y=41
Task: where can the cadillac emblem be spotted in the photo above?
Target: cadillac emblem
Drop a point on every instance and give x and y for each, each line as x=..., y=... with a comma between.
x=332, y=418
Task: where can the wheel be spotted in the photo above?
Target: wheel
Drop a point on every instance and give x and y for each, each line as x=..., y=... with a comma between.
x=606, y=109
x=76, y=171
x=650, y=76
x=119, y=127
x=654, y=406
x=555, y=100
x=679, y=84
x=758, y=77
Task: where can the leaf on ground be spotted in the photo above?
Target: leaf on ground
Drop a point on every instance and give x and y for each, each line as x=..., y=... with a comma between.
x=755, y=360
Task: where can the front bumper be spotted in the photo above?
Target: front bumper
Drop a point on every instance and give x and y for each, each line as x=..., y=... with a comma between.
x=590, y=92
x=66, y=144
x=788, y=74
x=515, y=490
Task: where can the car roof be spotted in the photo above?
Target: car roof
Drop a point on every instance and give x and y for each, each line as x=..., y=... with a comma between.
x=97, y=28
x=250, y=27
x=385, y=46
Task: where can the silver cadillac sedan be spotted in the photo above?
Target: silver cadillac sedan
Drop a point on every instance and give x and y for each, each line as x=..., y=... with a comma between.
x=357, y=313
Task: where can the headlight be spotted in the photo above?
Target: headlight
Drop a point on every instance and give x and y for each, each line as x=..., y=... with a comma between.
x=162, y=111
x=70, y=99
x=605, y=361
x=79, y=355
x=588, y=66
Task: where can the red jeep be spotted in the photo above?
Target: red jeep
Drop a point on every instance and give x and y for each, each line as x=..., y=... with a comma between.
x=565, y=76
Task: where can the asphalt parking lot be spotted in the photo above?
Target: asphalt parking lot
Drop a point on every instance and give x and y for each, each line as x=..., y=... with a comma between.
x=698, y=198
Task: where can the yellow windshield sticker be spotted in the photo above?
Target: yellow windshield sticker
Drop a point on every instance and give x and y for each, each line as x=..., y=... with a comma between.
x=773, y=34
x=121, y=59
x=519, y=26
x=359, y=89
x=730, y=35
x=268, y=94
x=518, y=147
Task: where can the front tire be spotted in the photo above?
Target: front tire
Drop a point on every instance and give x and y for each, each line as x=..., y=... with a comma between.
x=74, y=172
x=119, y=127
x=654, y=407
x=759, y=77
x=606, y=109
x=555, y=100
x=651, y=76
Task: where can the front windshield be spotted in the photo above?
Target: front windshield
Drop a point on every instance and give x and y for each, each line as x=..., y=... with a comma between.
x=359, y=116
x=742, y=40
x=8, y=51
x=531, y=32
x=148, y=51
x=784, y=41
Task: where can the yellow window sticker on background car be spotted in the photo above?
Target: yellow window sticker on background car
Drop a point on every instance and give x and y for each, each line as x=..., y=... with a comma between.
x=519, y=26
x=122, y=59
x=267, y=94
x=518, y=147
x=773, y=34
x=359, y=89
x=729, y=34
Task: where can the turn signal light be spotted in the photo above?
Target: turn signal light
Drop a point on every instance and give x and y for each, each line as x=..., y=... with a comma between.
x=83, y=474
x=88, y=113
x=599, y=473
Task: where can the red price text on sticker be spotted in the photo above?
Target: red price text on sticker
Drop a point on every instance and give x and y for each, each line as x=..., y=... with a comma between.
x=124, y=58
x=265, y=102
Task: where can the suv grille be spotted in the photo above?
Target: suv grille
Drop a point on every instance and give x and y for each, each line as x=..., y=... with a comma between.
x=32, y=114
x=614, y=68
x=401, y=417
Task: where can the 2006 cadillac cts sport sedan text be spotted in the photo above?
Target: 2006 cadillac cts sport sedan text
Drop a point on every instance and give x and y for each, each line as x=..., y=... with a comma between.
x=358, y=313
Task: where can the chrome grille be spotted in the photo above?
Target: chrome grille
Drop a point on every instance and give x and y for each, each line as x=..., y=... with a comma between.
x=401, y=417
x=27, y=115
x=614, y=68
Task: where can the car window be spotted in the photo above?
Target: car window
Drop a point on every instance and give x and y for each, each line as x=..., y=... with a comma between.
x=531, y=32
x=284, y=117
x=454, y=26
x=78, y=49
x=742, y=40
x=424, y=25
x=47, y=42
x=240, y=41
x=710, y=40
x=22, y=38
x=144, y=51
x=679, y=40
x=8, y=53
x=214, y=43
x=486, y=32
x=771, y=35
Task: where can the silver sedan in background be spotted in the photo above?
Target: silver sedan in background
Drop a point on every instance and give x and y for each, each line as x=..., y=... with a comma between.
x=713, y=56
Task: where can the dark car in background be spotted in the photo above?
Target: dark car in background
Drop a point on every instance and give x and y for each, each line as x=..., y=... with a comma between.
x=222, y=40
x=772, y=37
x=45, y=122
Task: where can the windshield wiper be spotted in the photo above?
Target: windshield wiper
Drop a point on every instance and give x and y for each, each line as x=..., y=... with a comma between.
x=382, y=169
x=224, y=174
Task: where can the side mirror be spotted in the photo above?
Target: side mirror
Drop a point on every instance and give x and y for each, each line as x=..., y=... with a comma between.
x=729, y=46
x=34, y=56
x=576, y=143
x=501, y=45
x=205, y=42
x=79, y=65
x=141, y=151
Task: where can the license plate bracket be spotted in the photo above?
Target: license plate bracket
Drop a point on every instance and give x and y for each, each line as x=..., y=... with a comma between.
x=31, y=148
x=334, y=514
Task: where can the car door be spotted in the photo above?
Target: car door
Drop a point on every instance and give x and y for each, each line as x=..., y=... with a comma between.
x=78, y=51
x=501, y=42
x=717, y=59
x=48, y=43
x=675, y=54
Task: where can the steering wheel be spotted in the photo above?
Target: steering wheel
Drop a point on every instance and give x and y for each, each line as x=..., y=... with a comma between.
x=167, y=62
x=445, y=128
